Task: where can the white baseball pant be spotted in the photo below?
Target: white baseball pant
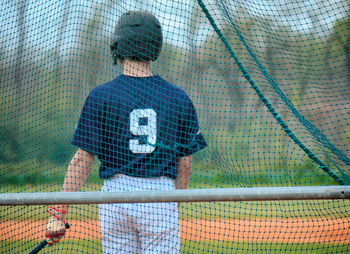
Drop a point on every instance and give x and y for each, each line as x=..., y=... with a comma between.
x=140, y=227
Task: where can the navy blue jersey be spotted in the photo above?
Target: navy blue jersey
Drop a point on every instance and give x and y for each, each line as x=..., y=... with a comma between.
x=138, y=126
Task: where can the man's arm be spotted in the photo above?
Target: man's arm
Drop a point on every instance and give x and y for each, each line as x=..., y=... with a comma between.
x=183, y=172
x=77, y=173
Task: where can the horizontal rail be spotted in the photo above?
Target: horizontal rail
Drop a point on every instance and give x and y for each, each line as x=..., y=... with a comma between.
x=189, y=195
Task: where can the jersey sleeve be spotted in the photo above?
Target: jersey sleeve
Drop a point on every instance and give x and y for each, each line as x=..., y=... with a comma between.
x=88, y=131
x=191, y=139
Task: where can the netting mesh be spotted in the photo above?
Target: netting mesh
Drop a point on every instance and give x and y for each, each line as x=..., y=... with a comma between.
x=270, y=82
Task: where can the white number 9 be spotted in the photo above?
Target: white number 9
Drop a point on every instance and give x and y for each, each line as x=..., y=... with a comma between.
x=149, y=129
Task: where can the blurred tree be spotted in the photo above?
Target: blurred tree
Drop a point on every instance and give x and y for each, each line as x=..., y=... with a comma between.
x=91, y=55
x=57, y=68
x=338, y=46
x=14, y=147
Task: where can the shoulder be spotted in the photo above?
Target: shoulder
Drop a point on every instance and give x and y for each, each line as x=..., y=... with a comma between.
x=173, y=90
x=104, y=88
x=103, y=91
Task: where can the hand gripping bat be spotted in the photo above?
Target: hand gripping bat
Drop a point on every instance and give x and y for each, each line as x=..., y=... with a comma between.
x=51, y=224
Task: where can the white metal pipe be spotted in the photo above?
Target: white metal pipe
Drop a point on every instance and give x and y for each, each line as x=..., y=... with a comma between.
x=189, y=195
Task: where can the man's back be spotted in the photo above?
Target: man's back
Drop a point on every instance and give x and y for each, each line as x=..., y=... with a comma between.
x=141, y=125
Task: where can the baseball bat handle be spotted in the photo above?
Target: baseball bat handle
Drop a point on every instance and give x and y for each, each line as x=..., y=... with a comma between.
x=43, y=243
x=38, y=248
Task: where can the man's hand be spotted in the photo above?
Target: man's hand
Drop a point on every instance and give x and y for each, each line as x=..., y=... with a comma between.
x=55, y=227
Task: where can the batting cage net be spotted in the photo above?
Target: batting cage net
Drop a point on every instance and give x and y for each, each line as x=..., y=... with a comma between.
x=245, y=93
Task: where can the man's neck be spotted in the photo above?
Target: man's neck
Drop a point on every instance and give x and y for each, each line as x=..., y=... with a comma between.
x=136, y=69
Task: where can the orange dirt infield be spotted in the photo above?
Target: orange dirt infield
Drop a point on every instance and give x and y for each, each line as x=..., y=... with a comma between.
x=302, y=230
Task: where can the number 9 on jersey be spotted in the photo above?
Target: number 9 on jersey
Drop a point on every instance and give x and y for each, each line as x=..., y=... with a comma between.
x=143, y=122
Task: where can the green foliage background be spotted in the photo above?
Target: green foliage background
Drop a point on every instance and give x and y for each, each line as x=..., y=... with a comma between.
x=39, y=110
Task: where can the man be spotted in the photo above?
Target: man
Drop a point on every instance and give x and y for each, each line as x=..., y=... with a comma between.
x=144, y=131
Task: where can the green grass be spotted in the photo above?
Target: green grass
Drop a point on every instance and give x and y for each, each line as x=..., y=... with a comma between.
x=204, y=247
x=266, y=209
x=190, y=247
x=210, y=169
